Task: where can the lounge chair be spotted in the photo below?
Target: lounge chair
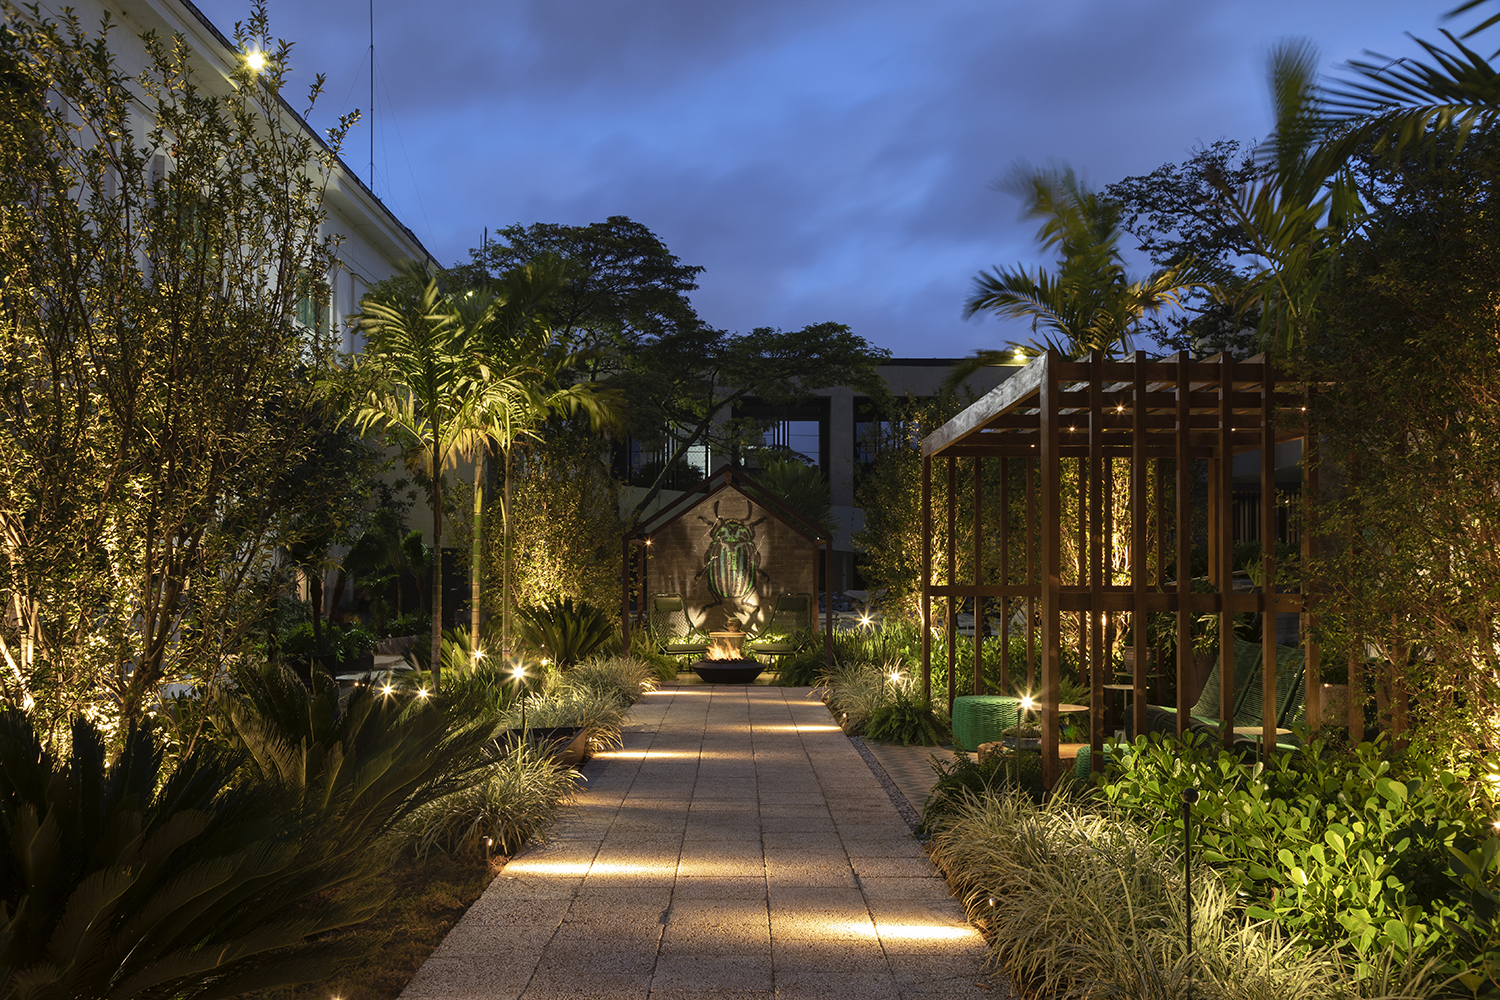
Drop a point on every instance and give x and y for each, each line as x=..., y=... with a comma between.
x=670, y=628
x=789, y=629
x=1248, y=674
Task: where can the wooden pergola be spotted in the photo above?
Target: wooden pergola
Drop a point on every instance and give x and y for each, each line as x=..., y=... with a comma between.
x=1146, y=422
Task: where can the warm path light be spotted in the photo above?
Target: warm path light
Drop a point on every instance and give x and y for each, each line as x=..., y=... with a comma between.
x=647, y=754
x=256, y=60
x=798, y=729
x=905, y=932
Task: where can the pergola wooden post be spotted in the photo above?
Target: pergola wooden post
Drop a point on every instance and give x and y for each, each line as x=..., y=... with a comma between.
x=1095, y=414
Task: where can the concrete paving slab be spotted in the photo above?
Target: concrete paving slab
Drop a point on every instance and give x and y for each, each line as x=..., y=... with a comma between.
x=736, y=847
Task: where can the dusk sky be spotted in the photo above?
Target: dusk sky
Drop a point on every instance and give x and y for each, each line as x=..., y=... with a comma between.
x=823, y=159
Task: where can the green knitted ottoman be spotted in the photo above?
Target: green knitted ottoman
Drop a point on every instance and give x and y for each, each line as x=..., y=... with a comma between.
x=981, y=718
x=1082, y=766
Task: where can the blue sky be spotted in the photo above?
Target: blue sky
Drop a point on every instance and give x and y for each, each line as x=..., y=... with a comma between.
x=822, y=159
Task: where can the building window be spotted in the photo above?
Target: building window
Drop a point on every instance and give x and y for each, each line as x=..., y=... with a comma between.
x=640, y=464
x=798, y=437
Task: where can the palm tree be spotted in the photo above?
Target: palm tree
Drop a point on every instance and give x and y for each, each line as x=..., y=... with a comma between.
x=1298, y=214
x=522, y=368
x=1087, y=303
x=419, y=385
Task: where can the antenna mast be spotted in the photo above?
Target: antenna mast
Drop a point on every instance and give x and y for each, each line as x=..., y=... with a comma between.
x=372, y=96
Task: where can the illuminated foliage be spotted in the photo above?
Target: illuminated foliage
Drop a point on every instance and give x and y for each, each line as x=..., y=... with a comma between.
x=156, y=235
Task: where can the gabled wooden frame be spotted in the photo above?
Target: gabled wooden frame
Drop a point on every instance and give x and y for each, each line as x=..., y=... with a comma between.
x=1146, y=411
x=633, y=546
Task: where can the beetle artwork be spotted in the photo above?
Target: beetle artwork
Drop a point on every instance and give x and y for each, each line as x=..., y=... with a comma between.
x=732, y=559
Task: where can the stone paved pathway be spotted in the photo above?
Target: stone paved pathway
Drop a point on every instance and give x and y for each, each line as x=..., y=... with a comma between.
x=737, y=847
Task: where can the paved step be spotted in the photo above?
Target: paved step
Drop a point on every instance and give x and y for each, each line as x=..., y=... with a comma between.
x=736, y=847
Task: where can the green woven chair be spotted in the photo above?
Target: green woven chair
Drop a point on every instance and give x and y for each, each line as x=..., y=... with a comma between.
x=1085, y=759
x=1248, y=676
x=1204, y=715
x=789, y=628
x=982, y=718
x=1291, y=704
x=670, y=628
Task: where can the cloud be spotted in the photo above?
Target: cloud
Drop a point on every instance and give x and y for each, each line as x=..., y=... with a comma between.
x=824, y=159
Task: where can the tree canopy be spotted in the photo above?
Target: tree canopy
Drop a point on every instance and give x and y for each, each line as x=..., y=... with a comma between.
x=626, y=297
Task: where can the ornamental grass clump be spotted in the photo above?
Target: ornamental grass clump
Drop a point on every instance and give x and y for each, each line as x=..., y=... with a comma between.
x=625, y=677
x=518, y=799
x=1078, y=903
x=853, y=691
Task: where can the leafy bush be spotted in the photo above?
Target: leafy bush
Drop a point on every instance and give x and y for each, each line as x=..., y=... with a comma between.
x=905, y=721
x=564, y=631
x=518, y=798
x=411, y=623
x=662, y=666
x=802, y=668
x=341, y=645
x=1079, y=903
x=1342, y=852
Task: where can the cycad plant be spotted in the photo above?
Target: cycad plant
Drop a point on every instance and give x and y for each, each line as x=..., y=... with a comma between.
x=129, y=879
x=366, y=759
x=565, y=631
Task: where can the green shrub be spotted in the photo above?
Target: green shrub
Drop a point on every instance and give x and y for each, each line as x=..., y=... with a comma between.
x=1078, y=903
x=411, y=623
x=1340, y=851
x=342, y=645
x=963, y=778
x=802, y=668
x=564, y=631
x=907, y=722
x=902, y=717
x=663, y=666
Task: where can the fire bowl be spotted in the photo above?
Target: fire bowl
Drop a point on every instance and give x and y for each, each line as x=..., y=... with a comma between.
x=728, y=671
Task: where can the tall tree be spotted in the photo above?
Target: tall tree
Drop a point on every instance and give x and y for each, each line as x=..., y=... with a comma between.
x=1087, y=302
x=416, y=382
x=524, y=376
x=1181, y=213
x=688, y=381
x=623, y=287
x=157, y=231
x=625, y=305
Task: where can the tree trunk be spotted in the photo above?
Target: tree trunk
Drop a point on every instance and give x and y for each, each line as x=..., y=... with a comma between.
x=338, y=594
x=437, y=576
x=505, y=576
x=476, y=557
x=315, y=598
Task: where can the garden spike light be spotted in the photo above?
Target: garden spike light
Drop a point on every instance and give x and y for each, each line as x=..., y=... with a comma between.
x=1189, y=796
x=518, y=673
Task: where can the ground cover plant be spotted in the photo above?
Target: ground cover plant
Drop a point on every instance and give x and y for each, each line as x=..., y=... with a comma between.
x=1078, y=902
x=1378, y=858
x=1353, y=873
